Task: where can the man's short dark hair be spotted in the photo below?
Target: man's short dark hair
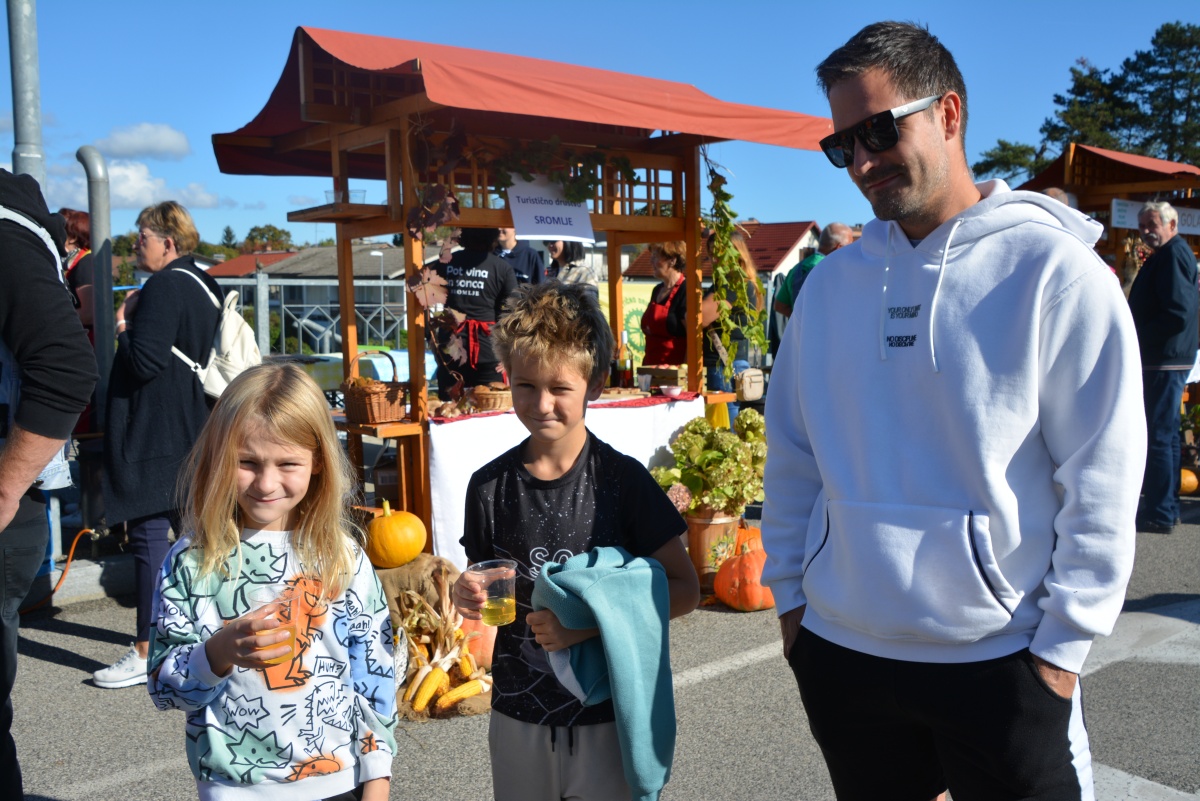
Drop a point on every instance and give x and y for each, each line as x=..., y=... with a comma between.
x=478, y=238
x=918, y=64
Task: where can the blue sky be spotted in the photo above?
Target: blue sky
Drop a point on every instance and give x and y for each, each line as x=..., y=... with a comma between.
x=150, y=82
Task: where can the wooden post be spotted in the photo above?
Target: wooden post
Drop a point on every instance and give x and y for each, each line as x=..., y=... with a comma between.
x=694, y=275
x=616, y=292
x=414, y=254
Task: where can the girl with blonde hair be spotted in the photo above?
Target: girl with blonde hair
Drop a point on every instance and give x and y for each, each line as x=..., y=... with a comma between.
x=300, y=692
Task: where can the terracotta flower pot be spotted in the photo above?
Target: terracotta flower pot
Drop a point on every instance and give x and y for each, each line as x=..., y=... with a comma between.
x=710, y=542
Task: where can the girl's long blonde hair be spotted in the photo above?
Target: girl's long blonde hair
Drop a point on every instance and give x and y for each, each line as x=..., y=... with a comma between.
x=279, y=401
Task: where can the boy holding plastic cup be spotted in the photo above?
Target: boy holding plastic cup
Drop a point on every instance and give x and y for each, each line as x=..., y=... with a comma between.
x=559, y=493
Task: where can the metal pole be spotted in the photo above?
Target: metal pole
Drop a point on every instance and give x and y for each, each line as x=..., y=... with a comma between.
x=262, y=311
x=99, y=211
x=382, y=301
x=28, y=156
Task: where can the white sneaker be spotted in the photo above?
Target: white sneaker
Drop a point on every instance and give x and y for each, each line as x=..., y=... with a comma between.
x=125, y=672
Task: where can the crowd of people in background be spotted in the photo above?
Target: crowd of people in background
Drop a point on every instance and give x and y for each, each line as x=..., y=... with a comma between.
x=941, y=562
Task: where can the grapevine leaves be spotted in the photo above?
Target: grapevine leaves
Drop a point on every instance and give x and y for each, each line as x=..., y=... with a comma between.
x=439, y=206
x=428, y=288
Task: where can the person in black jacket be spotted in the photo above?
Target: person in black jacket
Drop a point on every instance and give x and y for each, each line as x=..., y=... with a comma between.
x=1164, y=299
x=47, y=372
x=526, y=262
x=156, y=406
x=479, y=283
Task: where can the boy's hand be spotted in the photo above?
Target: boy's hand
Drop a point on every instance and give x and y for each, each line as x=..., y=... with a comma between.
x=239, y=643
x=552, y=635
x=469, y=597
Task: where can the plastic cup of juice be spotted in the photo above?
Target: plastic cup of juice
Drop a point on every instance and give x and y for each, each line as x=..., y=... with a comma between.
x=498, y=577
x=280, y=606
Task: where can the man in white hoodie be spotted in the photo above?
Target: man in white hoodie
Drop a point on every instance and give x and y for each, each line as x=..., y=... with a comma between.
x=955, y=449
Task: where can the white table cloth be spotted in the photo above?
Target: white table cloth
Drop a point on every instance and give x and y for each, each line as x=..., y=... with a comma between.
x=458, y=448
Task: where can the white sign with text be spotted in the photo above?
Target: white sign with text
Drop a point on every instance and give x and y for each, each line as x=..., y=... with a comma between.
x=540, y=211
x=1125, y=214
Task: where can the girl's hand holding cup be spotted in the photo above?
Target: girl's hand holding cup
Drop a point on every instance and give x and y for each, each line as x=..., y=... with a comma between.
x=264, y=636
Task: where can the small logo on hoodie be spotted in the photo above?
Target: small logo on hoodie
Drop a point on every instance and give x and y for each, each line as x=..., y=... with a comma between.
x=902, y=341
x=904, y=312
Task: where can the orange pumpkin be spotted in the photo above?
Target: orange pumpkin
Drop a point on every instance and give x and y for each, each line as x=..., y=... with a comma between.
x=1188, y=482
x=481, y=647
x=748, y=536
x=738, y=584
x=394, y=538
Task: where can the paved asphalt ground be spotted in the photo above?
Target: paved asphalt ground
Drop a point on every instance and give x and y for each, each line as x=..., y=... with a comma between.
x=742, y=734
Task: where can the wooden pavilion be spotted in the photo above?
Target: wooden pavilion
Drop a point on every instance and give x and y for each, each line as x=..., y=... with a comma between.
x=418, y=115
x=1097, y=177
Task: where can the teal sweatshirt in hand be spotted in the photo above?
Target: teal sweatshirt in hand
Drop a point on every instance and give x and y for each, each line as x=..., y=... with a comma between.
x=626, y=598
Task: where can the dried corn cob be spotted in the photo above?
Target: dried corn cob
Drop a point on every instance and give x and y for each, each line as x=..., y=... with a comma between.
x=428, y=687
x=460, y=693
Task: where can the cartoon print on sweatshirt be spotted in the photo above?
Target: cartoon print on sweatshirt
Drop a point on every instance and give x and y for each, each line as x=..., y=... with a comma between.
x=306, y=717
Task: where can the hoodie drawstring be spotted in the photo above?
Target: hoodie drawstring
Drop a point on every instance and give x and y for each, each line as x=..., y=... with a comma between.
x=887, y=263
x=937, y=288
x=570, y=739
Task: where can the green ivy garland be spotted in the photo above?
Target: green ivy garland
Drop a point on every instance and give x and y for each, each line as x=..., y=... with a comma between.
x=728, y=278
x=577, y=173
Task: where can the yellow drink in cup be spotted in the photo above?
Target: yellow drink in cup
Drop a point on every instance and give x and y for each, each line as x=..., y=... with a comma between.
x=498, y=577
x=499, y=611
x=280, y=607
x=290, y=642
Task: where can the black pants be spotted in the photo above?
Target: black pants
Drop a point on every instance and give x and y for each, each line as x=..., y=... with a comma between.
x=22, y=549
x=149, y=541
x=988, y=731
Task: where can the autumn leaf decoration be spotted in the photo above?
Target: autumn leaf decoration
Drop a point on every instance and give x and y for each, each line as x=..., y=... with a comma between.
x=438, y=207
x=429, y=288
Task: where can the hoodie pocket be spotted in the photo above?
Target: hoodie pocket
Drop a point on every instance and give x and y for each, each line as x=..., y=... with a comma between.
x=909, y=572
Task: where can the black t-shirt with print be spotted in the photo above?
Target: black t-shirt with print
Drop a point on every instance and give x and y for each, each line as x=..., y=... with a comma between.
x=479, y=284
x=607, y=498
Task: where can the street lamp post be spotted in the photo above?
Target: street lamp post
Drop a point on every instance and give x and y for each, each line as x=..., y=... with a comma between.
x=382, y=300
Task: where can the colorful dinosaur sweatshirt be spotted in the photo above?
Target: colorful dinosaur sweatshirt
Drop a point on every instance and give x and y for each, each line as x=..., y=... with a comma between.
x=310, y=728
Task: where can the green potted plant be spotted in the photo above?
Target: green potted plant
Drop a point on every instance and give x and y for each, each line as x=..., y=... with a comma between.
x=716, y=473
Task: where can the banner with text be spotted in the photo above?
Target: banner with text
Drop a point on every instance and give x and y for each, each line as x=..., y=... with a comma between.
x=1125, y=214
x=540, y=211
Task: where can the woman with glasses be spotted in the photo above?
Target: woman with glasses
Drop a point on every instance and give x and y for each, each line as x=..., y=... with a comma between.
x=567, y=265
x=156, y=405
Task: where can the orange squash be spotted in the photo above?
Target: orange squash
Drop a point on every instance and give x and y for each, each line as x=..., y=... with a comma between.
x=748, y=536
x=739, y=585
x=1188, y=482
x=394, y=538
x=481, y=647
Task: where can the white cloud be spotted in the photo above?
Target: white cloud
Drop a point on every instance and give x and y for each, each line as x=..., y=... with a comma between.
x=131, y=186
x=145, y=140
x=257, y=205
x=304, y=201
x=195, y=196
x=66, y=186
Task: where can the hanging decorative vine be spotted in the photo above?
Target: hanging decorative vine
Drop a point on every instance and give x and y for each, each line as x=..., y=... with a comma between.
x=729, y=280
x=577, y=173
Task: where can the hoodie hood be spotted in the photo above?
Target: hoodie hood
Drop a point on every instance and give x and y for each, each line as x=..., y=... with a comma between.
x=999, y=209
x=21, y=193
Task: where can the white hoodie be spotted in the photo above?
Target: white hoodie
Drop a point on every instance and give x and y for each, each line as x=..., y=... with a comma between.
x=956, y=440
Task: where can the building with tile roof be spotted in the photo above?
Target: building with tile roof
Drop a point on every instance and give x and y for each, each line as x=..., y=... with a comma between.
x=775, y=247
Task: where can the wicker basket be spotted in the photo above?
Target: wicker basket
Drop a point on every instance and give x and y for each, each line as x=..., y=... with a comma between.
x=489, y=399
x=376, y=402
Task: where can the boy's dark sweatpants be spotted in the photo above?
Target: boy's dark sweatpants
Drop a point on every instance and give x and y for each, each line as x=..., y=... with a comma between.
x=908, y=730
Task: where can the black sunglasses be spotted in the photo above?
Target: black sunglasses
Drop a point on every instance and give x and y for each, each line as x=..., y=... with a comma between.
x=877, y=132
